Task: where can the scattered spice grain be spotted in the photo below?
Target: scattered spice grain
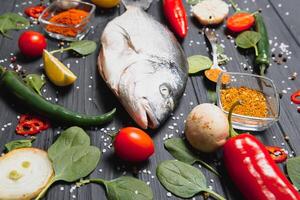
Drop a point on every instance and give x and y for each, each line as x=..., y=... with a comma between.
x=254, y=103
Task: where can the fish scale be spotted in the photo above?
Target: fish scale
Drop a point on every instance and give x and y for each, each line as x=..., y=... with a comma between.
x=144, y=65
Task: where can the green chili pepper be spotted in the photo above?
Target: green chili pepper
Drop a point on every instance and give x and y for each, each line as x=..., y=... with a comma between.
x=11, y=81
x=263, y=57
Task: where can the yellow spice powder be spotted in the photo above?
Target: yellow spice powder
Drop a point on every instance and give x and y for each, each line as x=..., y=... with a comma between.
x=253, y=102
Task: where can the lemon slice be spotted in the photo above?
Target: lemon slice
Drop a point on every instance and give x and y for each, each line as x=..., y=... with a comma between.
x=56, y=71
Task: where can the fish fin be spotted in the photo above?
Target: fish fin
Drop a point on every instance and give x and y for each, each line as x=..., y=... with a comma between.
x=144, y=4
x=129, y=41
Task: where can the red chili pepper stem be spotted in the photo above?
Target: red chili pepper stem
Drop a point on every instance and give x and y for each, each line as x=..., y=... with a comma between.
x=232, y=132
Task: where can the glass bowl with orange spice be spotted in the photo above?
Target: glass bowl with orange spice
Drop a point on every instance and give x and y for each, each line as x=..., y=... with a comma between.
x=260, y=101
x=68, y=20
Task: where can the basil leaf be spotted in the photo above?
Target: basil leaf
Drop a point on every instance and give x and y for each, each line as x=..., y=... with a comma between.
x=198, y=63
x=293, y=170
x=128, y=188
x=35, y=81
x=10, y=21
x=76, y=162
x=17, y=144
x=73, y=136
x=181, y=179
x=179, y=150
x=248, y=39
x=83, y=47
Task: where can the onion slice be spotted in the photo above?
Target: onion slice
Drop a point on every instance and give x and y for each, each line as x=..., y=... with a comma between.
x=24, y=173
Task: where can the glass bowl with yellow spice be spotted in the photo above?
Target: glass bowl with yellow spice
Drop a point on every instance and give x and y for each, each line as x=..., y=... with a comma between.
x=68, y=20
x=260, y=101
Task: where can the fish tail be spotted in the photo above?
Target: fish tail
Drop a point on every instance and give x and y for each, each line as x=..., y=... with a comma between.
x=144, y=4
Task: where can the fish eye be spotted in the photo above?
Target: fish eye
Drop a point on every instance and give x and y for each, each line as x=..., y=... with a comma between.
x=164, y=90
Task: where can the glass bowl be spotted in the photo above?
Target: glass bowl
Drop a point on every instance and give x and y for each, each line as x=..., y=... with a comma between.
x=259, y=83
x=65, y=31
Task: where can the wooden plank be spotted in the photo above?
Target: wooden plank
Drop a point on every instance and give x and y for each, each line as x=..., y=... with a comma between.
x=77, y=98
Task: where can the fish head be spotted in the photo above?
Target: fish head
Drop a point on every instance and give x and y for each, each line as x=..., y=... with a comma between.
x=152, y=91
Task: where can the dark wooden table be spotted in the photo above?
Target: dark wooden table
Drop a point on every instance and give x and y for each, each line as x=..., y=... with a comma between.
x=90, y=95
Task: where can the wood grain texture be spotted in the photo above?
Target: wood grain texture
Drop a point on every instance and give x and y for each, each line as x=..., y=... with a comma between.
x=282, y=27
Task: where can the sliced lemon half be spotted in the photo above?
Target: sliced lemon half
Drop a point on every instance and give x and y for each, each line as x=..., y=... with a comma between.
x=56, y=71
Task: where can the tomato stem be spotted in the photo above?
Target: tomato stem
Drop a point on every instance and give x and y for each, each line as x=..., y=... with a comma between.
x=234, y=5
x=232, y=132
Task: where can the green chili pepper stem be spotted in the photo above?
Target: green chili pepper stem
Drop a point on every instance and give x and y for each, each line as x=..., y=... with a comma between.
x=232, y=132
x=262, y=69
x=38, y=104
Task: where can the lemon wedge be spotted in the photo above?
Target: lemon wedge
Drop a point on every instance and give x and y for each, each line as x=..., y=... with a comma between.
x=56, y=71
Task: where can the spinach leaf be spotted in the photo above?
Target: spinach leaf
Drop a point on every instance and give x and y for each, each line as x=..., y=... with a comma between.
x=198, y=63
x=293, y=170
x=212, y=96
x=16, y=144
x=248, y=39
x=10, y=21
x=35, y=81
x=73, y=136
x=183, y=180
x=76, y=162
x=128, y=188
x=84, y=47
x=194, y=2
x=124, y=187
x=182, y=152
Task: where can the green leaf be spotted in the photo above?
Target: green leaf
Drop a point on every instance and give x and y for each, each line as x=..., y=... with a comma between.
x=194, y=2
x=35, y=81
x=128, y=188
x=180, y=150
x=16, y=144
x=198, y=63
x=76, y=162
x=183, y=180
x=212, y=96
x=71, y=137
x=293, y=170
x=248, y=39
x=84, y=47
x=12, y=21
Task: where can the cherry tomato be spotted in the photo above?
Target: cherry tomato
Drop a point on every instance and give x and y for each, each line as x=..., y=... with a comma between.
x=240, y=21
x=133, y=144
x=32, y=43
x=278, y=154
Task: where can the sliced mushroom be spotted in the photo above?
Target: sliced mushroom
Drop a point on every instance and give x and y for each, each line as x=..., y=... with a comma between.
x=210, y=12
x=24, y=173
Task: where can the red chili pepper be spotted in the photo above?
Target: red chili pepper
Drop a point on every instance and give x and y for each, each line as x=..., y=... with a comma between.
x=240, y=21
x=176, y=15
x=278, y=154
x=34, y=11
x=295, y=97
x=253, y=170
x=30, y=125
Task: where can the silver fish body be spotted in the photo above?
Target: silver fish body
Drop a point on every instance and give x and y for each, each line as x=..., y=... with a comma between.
x=144, y=65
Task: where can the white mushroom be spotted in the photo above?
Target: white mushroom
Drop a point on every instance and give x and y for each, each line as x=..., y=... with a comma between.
x=210, y=11
x=207, y=127
x=24, y=173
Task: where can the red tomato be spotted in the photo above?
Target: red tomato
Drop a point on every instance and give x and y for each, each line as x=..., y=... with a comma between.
x=133, y=144
x=240, y=21
x=32, y=43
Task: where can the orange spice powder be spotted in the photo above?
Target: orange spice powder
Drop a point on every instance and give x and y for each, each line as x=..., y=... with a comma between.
x=70, y=17
x=253, y=102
